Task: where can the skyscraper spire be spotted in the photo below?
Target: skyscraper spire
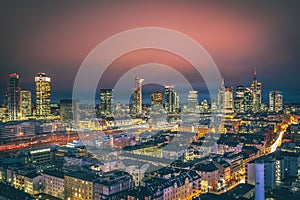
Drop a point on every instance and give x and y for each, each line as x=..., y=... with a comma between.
x=254, y=77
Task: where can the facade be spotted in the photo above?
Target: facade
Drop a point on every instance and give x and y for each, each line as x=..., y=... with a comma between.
x=111, y=184
x=157, y=98
x=106, y=103
x=275, y=101
x=268, y=164
x=238, y=100
x=225, y=99
x=91, y=185
x=42, y=156
x=25, y=104
x=43, y=89
x=172, y=105
x=248, y=100
x=137, y=98
x=54, y=183
x=256, y=92
x=209, y=176
x=30, y=183
x=13, y=96
x=193, y=101
x=69, y=111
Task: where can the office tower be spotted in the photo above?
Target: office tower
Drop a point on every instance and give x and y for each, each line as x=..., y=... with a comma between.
x=248, y=101
x=256, y=92
x=238, y=100
x=13, y=96
x=172, y=105
x=275, y=101
x=42, y=85
x=220, y=100
x=69, y=111
x=25, y=104
x=156, y=98
x=228, y=104
x=137, y=104
x=193, y=101
x=106, y=103
x=225, y=99
x=204, y=107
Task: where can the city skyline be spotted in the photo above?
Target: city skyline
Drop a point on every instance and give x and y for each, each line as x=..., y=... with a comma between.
x=236, y=39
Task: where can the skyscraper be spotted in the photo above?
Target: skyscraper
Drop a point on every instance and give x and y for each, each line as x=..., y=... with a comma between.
x=275, y=101
x=106, y=103
x=69, y=111
x=13, y=96
x=137, y=104
x=156, y=98
x=25, y=104
x=172, y=105
x=256, y=92
x=228, y=100
x=42, y=84
x=238, y=100
x=248, y=101
x=225, y=99
x=193, y=101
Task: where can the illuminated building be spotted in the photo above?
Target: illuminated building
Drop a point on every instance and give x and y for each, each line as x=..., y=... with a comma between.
x=42, y=156
x=172, y=105
x=266, y=176
x=193, y=101
x=220, y=100
x=209, y=176
x=225, y=99
x=248, y=100
x=256, y=92
x=89, y=185
x=228, y=104
x=69, y=111
x=106, y=103
x=238, y=100
x=156, y=98
x=184, y=186
x=30, y=183
x=137, y=104
x=275, y=101
x=13, y=96
x=25, y=104
x=204, y=107
x=54, y=183
x=80, y=185
x=111, y=184
x=42, y=84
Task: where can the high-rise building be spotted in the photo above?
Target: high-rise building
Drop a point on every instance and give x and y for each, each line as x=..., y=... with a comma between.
x=42, y=84
x=106, y=103
x=13, y=96
x=238, y=100
x=172, y=105
x=248, y=101
x=137, y=104
x=225, y=99
x=25, y=104
x=156, y=98
x=256, y=92
x=193, y=104
x=275, y=101
x=69, y=111
x=228, y=100
x=220, y=100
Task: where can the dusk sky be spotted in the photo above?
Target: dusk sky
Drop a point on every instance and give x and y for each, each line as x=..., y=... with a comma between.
x=55, y=36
